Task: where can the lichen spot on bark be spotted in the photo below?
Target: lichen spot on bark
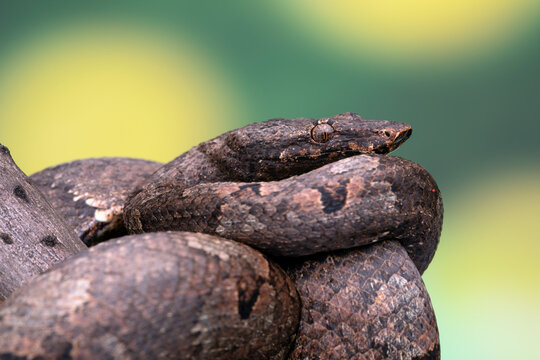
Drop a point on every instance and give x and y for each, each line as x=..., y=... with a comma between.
x=49, y=240
x=6, y=238
x=20, y=193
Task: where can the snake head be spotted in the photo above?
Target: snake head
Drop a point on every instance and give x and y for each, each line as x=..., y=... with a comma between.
x=280, y=148
x=350, y=134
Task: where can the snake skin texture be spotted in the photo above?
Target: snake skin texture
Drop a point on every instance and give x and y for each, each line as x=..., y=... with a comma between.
x=90, y=193
x=348, y=203
x=136, y=298
x=367, y=303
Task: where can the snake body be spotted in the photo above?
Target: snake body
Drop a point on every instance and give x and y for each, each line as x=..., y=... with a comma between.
x=363, y=303
x=348, y=203
x=308, y=188
x=90, y=193
x=136, y=298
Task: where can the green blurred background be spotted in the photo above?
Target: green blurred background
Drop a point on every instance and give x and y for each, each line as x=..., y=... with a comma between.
x=152, y=79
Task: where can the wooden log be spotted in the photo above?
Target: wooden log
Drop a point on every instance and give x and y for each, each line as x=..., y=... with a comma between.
x=33, y=237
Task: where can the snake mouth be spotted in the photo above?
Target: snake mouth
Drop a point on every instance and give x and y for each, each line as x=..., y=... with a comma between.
x=398, y=139
x=401, y=137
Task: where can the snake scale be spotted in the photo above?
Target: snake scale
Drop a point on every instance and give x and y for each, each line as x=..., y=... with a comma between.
x=353, y=229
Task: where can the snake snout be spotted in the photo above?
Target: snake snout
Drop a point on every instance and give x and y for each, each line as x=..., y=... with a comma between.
x=403, y=135
x=398, y=136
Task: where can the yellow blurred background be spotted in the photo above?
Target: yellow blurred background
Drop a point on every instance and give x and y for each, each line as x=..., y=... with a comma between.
x=152, y=79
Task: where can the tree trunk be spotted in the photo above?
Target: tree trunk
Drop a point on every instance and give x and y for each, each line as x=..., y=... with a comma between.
x=33, y=237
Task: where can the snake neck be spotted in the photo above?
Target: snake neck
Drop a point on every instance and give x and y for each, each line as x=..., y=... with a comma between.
x=191, y=168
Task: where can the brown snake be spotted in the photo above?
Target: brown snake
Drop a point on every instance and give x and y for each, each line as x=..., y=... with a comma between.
x=298, y=187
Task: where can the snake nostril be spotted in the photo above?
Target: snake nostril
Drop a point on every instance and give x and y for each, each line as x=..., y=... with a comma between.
x=385, y=132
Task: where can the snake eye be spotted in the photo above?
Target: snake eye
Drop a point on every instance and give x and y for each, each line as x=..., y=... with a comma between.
x=322, y=133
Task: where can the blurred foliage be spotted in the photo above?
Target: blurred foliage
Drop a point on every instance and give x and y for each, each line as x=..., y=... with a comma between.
x=151, y=79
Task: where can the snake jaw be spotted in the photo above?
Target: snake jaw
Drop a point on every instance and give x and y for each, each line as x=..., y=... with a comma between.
x=400, y=137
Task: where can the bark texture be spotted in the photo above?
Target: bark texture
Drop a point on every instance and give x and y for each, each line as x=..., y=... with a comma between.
x=33, y=237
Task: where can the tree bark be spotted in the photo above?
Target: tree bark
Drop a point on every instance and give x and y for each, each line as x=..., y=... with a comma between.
x=33, y=237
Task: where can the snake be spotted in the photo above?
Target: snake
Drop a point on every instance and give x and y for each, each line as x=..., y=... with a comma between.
x=265, y=185
x=90, y=193
x=352, y=227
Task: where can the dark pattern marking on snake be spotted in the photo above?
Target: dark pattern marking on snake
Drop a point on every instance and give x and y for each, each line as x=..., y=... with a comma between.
x=333, y=198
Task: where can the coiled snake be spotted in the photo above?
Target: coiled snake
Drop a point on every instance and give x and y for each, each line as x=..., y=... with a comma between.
x=302, y=191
